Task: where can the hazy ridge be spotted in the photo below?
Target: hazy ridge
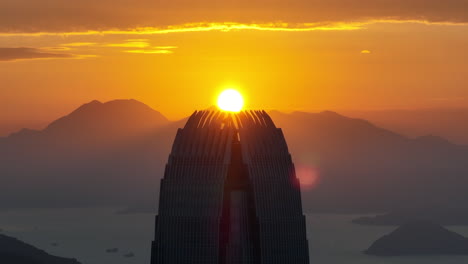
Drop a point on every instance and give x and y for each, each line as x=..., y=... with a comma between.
x=114, y=153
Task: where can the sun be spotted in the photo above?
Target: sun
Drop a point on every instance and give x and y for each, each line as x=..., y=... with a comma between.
x=230, y=100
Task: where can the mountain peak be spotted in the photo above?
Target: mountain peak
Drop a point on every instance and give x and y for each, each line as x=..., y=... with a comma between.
x=112, y=118
x=324, y=114
x=127, y=104
x=94, y=102
x=329, y=113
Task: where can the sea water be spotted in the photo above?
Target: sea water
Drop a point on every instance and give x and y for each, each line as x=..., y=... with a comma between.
x=85, y=234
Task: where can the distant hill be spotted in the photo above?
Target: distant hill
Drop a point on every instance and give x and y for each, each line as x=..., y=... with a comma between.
x=100, y=154
x=444, y=216
x=14, y=251
x=364, y=168
x=114, y=153
x=451, y=124
x=10, y=126
x=448, y=123
x=420, y=238
x=119, y=118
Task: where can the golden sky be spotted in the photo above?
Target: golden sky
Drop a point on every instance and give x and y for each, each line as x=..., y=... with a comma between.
x=176, y=56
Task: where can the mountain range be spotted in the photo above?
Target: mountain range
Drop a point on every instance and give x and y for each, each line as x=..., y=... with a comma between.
x=449, y=123
x=114, y=153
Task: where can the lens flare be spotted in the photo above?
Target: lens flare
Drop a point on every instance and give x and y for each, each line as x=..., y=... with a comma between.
x=308, y=177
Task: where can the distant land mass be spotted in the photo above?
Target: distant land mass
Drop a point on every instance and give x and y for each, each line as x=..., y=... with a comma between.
x=443, y=216
x=14, y=251
x=420, y=238
x=449, y=123
x=364, y=168
x=114, y=154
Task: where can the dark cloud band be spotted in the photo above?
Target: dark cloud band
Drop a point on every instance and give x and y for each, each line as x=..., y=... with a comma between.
x=80, y=15
x=13, y=54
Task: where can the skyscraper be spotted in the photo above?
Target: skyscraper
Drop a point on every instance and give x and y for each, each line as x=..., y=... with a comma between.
x=230, y=194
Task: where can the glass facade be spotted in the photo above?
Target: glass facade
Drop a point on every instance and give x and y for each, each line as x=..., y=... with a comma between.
x=230, y=194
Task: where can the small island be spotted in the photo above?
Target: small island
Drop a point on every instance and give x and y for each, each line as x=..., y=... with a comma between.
x=129, y=255
x=443, y=216
x=14, y=251
x=112, y=250
x=420, y=238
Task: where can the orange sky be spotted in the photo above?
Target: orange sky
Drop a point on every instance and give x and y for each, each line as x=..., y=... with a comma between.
x=353, y=58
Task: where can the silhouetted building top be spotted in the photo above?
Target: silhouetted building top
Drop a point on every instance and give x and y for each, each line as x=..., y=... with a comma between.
x=230, y=194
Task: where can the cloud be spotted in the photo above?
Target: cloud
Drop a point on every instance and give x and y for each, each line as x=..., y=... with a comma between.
x=155, y=50
x=365, y=52
x=13, y=54
x=201, y=27
x=129, y=44
x=137, y=40
x=27, y=53
x=79, y=44
x=56, y=48
x=19, y=16
x=141, y=46
x=150, y=51
x=165, y=47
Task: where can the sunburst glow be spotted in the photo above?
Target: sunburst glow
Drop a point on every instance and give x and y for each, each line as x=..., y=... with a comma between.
x=230, y=100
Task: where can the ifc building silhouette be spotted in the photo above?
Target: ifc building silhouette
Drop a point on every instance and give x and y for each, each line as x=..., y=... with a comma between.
x=230, y=195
